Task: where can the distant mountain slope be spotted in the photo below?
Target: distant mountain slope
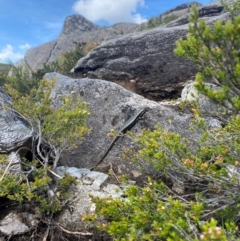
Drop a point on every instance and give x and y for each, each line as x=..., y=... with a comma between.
x=76, y=30
x=169, y=15
x=79, y=30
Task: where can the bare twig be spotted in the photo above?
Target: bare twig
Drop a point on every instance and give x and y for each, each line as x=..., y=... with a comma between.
x=74, y=233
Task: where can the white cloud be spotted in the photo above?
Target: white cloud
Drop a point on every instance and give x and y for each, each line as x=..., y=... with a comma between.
x=8, y=53
x=25, y=46
x=139, y=19
x=109, y=10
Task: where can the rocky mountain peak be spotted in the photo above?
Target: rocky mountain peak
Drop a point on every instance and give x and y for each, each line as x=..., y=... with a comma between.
x=77, y=23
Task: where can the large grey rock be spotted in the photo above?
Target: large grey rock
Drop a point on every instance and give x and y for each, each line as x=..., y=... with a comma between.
x=76, y=29
x=15, y=132
x=145, y=62
x=110, y=106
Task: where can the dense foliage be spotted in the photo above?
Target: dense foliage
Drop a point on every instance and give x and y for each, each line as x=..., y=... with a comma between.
x=197, y=197
x=206, y=206
x=20, y=186
x=22, y=79
x=57, y=125
x=58, y=128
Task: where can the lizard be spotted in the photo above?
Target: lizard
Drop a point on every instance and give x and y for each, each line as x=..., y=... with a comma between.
x=124, y=128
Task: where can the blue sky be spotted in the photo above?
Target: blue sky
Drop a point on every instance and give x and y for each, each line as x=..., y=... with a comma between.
x=29, y=23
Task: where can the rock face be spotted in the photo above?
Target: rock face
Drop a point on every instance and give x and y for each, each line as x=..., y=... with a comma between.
x=110, y=106
x=36, y=57
x=76, y=29
x=14, y=130
x=144, y=62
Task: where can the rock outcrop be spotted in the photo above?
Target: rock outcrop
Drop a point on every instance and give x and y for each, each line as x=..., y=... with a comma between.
x=89, y=183
x=76, y=30
x=144, y=62
x=110, y=106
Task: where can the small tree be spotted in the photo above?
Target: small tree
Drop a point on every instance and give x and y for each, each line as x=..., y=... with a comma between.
x=56, y=129
x=57, y=126
x=4, y=69
x=216, y=52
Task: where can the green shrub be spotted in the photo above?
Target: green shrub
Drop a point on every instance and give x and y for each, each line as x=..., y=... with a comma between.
x=55, y=130
x=205, y=168
x=23, y=79
x=59, y=129
x=4, y=69
x=216, y=52
x=156, y=212
x=19, y=188
x=64, y=63
x=69, y=59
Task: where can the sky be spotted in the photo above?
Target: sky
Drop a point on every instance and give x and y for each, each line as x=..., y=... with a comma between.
x=29, y=23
